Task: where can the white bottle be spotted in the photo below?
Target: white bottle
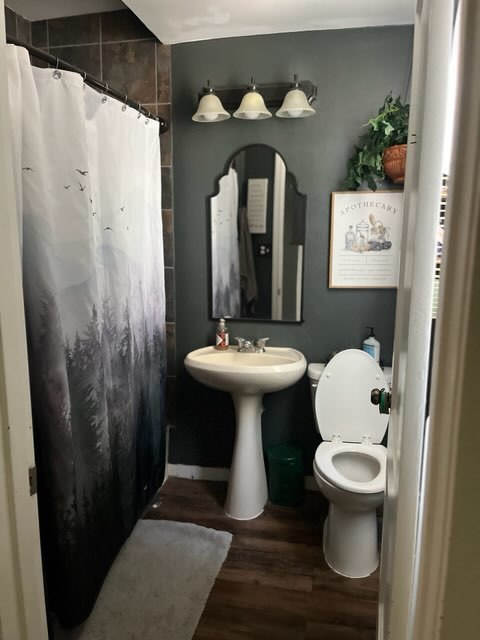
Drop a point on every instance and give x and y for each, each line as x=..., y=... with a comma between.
x=372, y=346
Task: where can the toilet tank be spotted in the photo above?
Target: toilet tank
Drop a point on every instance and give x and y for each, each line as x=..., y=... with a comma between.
x=315, y=370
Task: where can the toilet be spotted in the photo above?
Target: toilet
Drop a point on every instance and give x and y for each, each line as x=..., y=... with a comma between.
x=349, y=464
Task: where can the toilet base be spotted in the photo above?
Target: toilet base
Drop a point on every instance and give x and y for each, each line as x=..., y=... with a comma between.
x=350, y=541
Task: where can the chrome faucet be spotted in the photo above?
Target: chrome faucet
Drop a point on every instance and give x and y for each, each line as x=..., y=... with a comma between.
x=251, y=346
x=259, y=344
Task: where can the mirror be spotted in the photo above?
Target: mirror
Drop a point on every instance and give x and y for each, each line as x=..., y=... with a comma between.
x=257, y=239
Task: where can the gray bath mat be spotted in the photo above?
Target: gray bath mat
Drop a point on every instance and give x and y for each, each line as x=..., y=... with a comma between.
x=158, y=585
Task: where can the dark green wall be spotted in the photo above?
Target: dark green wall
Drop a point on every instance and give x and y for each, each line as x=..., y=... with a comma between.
x=354, y=70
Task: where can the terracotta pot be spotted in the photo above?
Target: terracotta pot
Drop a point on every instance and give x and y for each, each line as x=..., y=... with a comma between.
x=394, y=159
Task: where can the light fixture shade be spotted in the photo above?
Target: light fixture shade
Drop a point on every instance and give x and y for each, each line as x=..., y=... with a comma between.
x=210, y=109
x=295, y=105
x=252, y=107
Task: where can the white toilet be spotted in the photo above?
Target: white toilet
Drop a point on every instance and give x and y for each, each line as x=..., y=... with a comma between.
x=349, y=464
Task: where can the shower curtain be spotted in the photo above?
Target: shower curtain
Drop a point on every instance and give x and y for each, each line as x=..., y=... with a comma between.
x=87, y=173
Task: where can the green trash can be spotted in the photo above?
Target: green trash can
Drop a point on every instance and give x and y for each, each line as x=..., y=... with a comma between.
x=286, y=484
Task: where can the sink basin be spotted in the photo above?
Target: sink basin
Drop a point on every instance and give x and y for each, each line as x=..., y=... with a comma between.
x=247, y=376
x=236, y=372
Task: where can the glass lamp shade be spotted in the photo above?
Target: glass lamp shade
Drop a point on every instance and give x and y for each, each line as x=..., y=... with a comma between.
x=210, y=109
x=252, y=107
x=295, y=105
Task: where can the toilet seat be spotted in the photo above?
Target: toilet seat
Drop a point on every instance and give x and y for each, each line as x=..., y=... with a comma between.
x=325, y=467
x=342, y=400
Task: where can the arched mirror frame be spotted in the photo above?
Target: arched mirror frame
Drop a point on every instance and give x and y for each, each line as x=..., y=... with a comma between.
x=291, y=180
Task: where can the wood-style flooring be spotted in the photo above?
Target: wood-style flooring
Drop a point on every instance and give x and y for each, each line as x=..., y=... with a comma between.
x=274, y=583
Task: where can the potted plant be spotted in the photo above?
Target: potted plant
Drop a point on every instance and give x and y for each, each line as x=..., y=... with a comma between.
x=382, y=149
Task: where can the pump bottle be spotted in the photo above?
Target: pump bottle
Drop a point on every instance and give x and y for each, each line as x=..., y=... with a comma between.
x=372, y=346
x=221, y=336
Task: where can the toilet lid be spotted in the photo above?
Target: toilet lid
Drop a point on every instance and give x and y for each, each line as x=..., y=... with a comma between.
x=342, y=400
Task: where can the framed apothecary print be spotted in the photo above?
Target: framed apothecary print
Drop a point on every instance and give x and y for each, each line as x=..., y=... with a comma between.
x=365, y=239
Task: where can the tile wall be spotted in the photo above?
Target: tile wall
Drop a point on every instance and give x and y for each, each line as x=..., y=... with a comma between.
x=17, y=27
x=117, y=48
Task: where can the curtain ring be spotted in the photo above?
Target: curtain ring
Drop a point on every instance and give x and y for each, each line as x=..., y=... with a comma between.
x=57, y=74
x=124, y=108
x=105, y=88
x=139, y=112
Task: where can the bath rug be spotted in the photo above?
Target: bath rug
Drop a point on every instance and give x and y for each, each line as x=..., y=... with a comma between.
x=158, y=585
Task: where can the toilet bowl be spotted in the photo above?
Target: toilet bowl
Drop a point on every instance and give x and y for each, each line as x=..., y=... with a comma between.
x=349, y=465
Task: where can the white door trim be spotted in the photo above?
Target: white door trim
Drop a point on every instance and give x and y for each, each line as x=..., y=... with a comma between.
x=454, y=417
x=22, y=604
x=277, y=237
x=402, y=516
x=299, y=288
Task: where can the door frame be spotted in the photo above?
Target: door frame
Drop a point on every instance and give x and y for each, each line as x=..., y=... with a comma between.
x=279, y=178
x=448, y=565
x=424, y=583
x=22, y=600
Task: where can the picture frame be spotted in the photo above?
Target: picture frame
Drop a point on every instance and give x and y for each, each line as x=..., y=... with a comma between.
x=365, y=239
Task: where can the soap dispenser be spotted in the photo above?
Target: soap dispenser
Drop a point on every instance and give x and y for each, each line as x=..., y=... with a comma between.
x=221, y=336
x=372, y=346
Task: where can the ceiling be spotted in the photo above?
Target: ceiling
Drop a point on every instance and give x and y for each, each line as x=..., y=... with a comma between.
x=174, y=21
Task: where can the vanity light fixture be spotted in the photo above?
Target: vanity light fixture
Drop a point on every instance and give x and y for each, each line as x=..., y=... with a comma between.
x=295, y=103
x=210, y=108
x=252, y=106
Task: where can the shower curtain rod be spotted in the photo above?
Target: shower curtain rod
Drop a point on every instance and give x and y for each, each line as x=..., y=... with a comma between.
x=90, y=80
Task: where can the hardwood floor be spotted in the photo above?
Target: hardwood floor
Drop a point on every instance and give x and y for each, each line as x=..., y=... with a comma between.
x=274, y=583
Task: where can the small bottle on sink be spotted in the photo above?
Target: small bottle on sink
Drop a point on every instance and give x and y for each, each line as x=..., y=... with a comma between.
x=221, y=336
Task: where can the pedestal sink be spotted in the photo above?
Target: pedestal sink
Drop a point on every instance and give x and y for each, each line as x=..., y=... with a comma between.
x=247, y=376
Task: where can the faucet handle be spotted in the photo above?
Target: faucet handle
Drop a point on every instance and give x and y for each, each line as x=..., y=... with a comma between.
x=260, y=343
x=241, y=342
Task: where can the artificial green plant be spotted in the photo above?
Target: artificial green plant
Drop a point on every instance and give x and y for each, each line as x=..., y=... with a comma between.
x=388, y=128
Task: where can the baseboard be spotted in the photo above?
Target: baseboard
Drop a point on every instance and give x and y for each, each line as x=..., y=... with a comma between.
x=216, y=474
x=194, y=472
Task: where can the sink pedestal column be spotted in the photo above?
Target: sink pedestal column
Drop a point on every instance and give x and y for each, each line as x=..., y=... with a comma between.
x=247, y=487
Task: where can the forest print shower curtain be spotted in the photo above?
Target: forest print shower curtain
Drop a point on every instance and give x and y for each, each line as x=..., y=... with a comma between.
x=87, y=174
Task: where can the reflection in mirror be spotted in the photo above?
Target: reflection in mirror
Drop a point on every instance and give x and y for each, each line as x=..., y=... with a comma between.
x=257, y=239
